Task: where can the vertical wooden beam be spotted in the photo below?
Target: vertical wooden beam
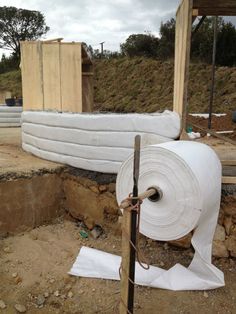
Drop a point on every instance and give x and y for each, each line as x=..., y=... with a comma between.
x=32, y=75
x=71, y=77
x=51, y=75
x=213, y=69
x=87, y=92
x=125, y=245
x=182, y=57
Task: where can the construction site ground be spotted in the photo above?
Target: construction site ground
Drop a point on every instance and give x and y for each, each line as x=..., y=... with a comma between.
x=34, y=267
x=34, y=264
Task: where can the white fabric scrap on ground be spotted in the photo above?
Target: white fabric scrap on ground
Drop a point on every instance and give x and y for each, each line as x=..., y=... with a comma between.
x=194, y=135
x=206, y=115
x=189, y=175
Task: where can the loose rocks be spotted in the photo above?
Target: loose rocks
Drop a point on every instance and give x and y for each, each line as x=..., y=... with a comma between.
x=2, y=305
x=219, y=233
x=40, y=300
x=219, y=249
x=20, y=308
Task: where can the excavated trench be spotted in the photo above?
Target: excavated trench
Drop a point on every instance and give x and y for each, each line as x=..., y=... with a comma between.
x=31, y=199
x=34, y=192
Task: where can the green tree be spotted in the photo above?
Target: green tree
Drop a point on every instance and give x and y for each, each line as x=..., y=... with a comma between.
x=145, y=45
x=8, y=64
x=202, y=40
x=226, y=45
x=167, y=39
x=19, y=24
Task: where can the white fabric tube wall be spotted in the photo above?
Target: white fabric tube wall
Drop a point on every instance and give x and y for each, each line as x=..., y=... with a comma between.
x=189, y=175
x=166, y=124
x=97, y=142
x=10, y=116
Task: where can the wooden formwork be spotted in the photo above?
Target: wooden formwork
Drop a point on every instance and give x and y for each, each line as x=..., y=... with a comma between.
x=3, y=95
x=55, y=76
x=186, y=14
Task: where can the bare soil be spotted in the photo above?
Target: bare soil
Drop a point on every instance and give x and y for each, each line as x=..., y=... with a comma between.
x=37, y=262
x=16, y=162
x=222, y=123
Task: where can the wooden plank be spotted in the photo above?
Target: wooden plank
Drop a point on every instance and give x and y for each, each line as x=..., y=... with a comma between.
x=182, y=57
x=229, y=171
x=87, y=92
x=3, y=96
x=125, y=245
x=228, y=180
x=32, y=75
x=71, y=77
x=214, y=3
x=217, y=11
x=87, y=73
x=215, y=7
x=228, y=162
x=51, y=76
x=54, y=39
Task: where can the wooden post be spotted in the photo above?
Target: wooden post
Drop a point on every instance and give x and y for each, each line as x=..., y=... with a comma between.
x=213, y=72
x=129, y=231
x=126, y=230
x=182, y=56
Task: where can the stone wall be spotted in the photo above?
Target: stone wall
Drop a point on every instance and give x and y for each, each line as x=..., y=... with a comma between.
x=87, y=200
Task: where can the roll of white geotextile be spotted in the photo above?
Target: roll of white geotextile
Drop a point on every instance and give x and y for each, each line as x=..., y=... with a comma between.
x=10, y=116
x=189, y=176
x=97, y=142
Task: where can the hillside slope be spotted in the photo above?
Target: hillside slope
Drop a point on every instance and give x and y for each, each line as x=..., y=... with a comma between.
x=146, y=85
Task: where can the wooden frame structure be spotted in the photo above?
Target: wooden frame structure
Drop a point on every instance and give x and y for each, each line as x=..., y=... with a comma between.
x=56, y=76
x=3, y=95
x=185, y=15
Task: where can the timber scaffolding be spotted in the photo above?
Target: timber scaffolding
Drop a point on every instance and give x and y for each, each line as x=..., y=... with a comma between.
x=186, y=14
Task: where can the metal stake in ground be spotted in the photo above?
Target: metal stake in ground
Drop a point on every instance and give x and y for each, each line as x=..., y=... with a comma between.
x=128, y=237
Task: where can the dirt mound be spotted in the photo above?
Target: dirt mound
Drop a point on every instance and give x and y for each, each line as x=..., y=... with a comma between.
x=146, y=85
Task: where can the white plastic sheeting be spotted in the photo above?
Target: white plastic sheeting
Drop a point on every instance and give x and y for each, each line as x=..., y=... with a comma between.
x=10, y=116
x=98, y=142
x=189, y=175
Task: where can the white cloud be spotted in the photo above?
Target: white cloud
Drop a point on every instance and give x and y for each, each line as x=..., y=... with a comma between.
x=92, y=21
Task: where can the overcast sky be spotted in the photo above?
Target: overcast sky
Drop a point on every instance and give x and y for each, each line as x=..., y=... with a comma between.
x=94, y=21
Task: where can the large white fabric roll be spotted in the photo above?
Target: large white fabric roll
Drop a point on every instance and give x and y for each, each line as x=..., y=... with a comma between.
x=189, y=176
x=97, y=142
x=10, y=116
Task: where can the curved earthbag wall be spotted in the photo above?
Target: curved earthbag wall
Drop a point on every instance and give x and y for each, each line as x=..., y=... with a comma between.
x=97, y=142
x=10, y=116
